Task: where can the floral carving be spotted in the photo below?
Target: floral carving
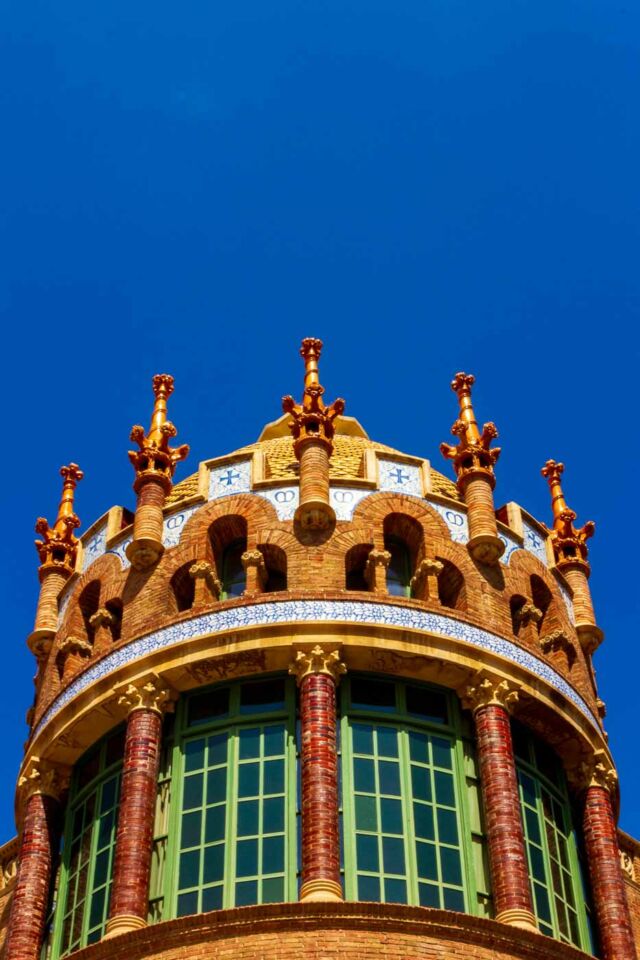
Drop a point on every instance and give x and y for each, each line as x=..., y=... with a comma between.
x=317, y=660
x=150, y=693
x=486, y=690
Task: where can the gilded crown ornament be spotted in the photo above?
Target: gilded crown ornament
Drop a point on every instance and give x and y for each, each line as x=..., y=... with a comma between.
x=156, y=459
x=59, y=545
x=569, y=543
x=473, y=451
x=312, y=419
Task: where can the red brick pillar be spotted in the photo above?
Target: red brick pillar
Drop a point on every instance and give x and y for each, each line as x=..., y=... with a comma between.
x=490, y=700
x=603, y=858
x=42, y=784
x=318, y=673
x=146, y=702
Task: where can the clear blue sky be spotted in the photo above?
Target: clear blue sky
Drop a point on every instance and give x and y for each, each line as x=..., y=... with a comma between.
x=428, y=185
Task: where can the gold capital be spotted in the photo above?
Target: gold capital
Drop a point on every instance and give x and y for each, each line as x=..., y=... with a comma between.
x=317, y=660
x=486, y=690
x=596, y=770
x=558, y=640
x=312, y=419
x=569, y=543
x=148, y=693
x=203, y=570
x=59, y=546
x=42, y=776
x=155, y=459
x=472, y=454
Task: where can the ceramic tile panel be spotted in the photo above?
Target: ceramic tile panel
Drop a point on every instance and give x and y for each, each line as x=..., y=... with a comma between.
x=456, y=520
x=95, y=546
x=534, y=542
x=230, y=479
x=400, y=478
x=174, y=524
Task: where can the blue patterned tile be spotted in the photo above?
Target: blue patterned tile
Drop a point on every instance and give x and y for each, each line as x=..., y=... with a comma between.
x=456, y=520
x=284, y=499
x=173, y=525
x=510, y=545
x=95, y=546
x=317, y=611
x=400, y=477
x=234, y=478
x=534, y=542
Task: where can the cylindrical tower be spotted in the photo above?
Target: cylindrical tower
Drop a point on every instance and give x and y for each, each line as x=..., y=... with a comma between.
x=317, y=700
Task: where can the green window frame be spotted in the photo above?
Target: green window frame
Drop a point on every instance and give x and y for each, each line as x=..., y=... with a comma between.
x=232, y=833
x=412, y=821
x=555, y=872
x=82, y=908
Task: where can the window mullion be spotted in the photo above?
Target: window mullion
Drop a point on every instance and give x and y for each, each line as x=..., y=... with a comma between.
x=408, y=819
x=470, y=889
x=230, y=841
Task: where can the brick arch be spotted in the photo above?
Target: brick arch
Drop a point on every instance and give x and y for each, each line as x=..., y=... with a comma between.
x=257, y=511
x=375, y=508
x=522, y=568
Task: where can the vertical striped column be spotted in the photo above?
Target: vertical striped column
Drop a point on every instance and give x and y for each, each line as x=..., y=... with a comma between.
x=318, y=673
x=603, y=859
x=314, y=511
x=490, y=700
x=42, y=785
x=146, y=547
x=146, y=701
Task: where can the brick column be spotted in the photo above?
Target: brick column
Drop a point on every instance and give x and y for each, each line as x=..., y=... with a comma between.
x=145, y=701
x=424, y=582
x=598, y=779
x=207, y=586
x=490, y=700
x=146, y=548
x=376, y=570
x=318, y=673
x=42, y=785
x=315, y=511
x=255, y=570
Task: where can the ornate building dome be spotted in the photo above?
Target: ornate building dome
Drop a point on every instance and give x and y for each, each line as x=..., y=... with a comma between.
x=317, y=701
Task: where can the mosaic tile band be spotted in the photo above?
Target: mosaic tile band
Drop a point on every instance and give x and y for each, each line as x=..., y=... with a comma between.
x=316, y=611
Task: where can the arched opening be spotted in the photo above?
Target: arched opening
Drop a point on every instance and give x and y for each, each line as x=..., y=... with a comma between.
x=403, y=540
x=355, y=567
x=451, y=589
x=183, y=588
x=275, y=561
x=115, y=609
x=89, y=602
x=542, y=597
x=228, y=538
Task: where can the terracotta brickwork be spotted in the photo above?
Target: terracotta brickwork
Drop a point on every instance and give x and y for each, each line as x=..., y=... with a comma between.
x=319, y=775
x=130, y=892
x=30, y=902
x=331, y=931
x=509, y=875
x=607, y=885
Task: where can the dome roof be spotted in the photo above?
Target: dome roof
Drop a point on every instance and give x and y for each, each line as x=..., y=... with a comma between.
x=347, y=461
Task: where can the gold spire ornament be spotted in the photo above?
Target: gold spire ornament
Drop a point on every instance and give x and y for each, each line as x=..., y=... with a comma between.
x=473, y=461
x=571, y=553
x=57, y=551
x=312, y=428
x=154, y=463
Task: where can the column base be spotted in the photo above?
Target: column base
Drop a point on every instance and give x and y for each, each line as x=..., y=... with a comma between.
x=321, y=890
x=144, y=553
x=518, y=918
x=315, y=515
x=590, y=636
x=485, y=548
x=125, y=923
x=41, y=640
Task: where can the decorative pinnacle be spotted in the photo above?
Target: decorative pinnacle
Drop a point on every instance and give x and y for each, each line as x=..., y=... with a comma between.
x=312, y=418
x=59, y=545
x=156, y=458
x=569, y=543
x=472, y=453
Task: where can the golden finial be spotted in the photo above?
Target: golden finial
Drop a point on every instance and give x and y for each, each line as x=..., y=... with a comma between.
x=472, y=453
x=155, y=458
x=311, y=418
x=59, y=545
x=569, y=543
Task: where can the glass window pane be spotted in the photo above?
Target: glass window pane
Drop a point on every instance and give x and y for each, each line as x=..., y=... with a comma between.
x=247, y=858
x=273, y=854
x=387, y=742
x=217, y=746
x=192, y=791
x=246, y=893
x=262, y=695
x=428, y=704
x=423, y=820
x=364, y=775
x=395, y=891
x=444, y=788
x=429, y=895
x=362, y=738
x=204, y=707
x=191, y=826
x=212, y=898
x=419, y=747
x=441, y=750
x=248, y=813
x=189, y=869
x=367, y=853
x=389, y=774
x=274, y=741
x=379, y=694
x=393, y=855
x=273, y=890
x=249, y=780
x=187, y=903
x=194, y=755
x=390, y=815
x=216, y=785
x=273, y=815
x=450, y=864
x=447, y=826
x=274, y=776
x=249, y=739
x=368, y=889
x=454, y=900
x=420, y=782
x=213, y=863
x=215, y=819
x=366, y=813
x=426, y=857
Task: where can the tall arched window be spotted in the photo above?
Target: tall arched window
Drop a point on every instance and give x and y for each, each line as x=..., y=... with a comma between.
x=90, y=832
x=552, y=850
x=235, y=758
x=399, y=569
x=412, y=821
x=234, y=577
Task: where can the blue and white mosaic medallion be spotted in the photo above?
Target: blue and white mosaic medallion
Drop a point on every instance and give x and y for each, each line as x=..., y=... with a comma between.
x=344, y=500
x=317, y=611
x=400, y=478
x=456, y=520
x=284, y=499
x=95, y=546
x=119, y=550
x=566, y=596
x=534, y=542
x=510, y=545
x=173, y=525
x=233, y=478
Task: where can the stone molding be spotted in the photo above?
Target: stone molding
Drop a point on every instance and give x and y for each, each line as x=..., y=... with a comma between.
x=427, y=567
x=203, y=570
x=317, y=660
x=149, y=693
x=558, y=640
x=42, y=776
x=487, y=690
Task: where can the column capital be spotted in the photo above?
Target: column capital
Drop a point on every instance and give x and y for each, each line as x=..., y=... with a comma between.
x=254, y=558
x=71, y=644
x=558, y=640
x=42, y=776
x=594, y=771
x=203, y=570
x=317, y=660
x=151, y=692
x=426, y=567
x=487, y=690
